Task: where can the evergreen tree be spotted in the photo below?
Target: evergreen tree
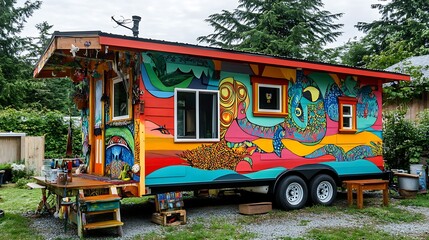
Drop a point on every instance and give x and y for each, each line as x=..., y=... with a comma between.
x=290, y=28
x=14, y=71
x=18, y=56
x=401, y=32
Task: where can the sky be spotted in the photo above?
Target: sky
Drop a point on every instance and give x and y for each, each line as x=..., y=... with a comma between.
x=170, y=20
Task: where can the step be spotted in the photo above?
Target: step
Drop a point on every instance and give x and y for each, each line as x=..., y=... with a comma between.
x=101, y=198
x=103, y=224
x=100, y=212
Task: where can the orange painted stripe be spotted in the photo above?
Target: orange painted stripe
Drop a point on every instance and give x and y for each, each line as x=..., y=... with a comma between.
x=245, y=57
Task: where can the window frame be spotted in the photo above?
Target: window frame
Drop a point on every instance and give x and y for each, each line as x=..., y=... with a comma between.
x=281, y=85
x=197, y=113
x=352, y=103
x=114, y=81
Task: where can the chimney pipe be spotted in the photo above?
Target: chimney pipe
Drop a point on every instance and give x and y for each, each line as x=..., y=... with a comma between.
x=135, y=29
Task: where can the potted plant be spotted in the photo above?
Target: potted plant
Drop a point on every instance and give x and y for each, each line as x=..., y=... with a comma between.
x=6, y=168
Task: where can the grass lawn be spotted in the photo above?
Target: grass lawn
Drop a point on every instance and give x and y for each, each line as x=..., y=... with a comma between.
x=15, y=202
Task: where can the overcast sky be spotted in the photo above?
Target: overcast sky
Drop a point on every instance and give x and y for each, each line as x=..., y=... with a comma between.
x=170, y=20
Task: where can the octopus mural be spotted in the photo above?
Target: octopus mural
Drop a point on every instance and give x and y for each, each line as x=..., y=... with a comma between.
x=308, y=132
x=306, y=121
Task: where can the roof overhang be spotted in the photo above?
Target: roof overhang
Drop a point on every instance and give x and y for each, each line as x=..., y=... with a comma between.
x=61, y=43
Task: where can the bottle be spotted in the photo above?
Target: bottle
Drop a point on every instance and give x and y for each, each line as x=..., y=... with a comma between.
x=69, y=171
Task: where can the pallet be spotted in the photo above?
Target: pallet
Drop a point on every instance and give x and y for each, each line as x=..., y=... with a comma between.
x=170, y=218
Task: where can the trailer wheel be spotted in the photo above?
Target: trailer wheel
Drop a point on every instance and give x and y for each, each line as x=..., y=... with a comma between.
x=292, y=193
x=323, y=190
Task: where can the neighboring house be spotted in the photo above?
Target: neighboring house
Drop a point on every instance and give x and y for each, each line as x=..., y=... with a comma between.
x=188, y=117
x=421, y=103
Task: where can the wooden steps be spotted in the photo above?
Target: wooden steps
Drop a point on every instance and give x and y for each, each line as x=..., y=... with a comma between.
x=97, y=205
x=103, y=224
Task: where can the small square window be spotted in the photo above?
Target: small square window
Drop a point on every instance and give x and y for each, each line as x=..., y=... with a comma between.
x=269, y=97
x=196, y=115
x=121, y=105
x=347, y=114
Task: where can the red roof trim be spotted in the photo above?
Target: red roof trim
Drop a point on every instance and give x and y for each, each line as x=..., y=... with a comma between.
x=246, y=57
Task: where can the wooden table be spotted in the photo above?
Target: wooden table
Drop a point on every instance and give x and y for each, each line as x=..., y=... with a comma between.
x=367, y=184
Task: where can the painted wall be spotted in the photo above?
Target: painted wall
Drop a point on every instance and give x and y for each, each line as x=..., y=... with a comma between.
x=256, y=147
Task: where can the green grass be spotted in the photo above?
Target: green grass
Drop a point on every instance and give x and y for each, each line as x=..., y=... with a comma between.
x=392, y=215
x=14, y=226
x=17, y=200
x=214, y=229
x=389, y=214
x=420, y=201
x=351, y=234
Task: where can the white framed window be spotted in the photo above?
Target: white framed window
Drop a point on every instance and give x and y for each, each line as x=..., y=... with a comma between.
x=121, y=104
x=196, y=115
x=347, y=115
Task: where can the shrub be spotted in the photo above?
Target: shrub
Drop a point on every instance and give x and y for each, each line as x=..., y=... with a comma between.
x=22, y=183
x=405, y=141
x=5, y=166
x=50, y=124
x=18, y=172
x=400, y=143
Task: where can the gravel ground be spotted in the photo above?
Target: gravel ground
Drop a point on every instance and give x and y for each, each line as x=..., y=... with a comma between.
x=136, y=220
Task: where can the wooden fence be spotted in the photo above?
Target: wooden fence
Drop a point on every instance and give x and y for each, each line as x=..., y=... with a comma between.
x=16, y=147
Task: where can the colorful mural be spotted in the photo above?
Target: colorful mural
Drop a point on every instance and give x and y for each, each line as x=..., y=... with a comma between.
x=254, y=147
x=119, y=150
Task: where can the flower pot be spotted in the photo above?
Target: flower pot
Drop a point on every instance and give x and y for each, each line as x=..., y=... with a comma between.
x=80, y=103
x=1, y=176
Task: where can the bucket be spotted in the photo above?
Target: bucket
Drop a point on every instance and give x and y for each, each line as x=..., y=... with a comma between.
x=418, y=169
x=409, y=182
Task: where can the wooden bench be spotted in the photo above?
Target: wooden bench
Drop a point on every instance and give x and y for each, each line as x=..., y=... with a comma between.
x=367, y=184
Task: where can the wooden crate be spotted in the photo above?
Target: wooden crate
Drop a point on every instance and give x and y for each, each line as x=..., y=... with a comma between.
x=170, y=218
x=255, y=208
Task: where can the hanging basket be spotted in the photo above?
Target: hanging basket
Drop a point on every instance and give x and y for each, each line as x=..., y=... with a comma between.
x=80, y=103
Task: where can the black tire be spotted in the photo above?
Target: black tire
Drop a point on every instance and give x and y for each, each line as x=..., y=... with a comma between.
x=291, y=193
x=323, y=190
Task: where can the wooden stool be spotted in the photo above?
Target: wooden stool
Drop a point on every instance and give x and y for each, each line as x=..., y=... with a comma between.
x=367, y=184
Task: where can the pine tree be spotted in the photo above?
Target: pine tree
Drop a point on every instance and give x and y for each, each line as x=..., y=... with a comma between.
x=290, y=28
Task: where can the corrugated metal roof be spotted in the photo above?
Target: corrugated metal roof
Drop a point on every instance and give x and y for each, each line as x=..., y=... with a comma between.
x=237, y=55
x=417, y=61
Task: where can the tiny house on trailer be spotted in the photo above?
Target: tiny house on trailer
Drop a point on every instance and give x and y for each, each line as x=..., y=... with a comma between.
x=184, y=117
